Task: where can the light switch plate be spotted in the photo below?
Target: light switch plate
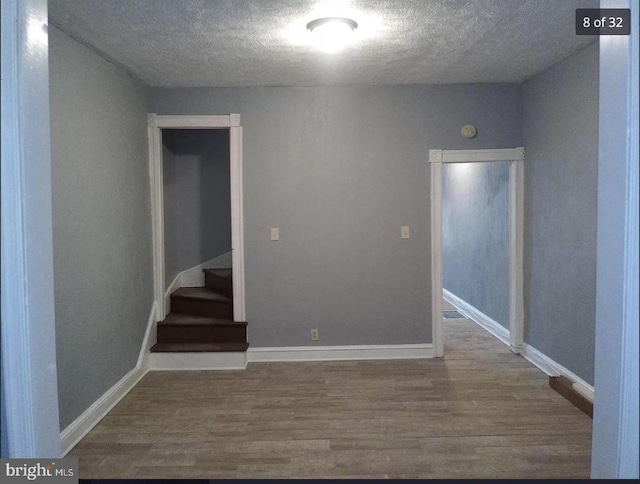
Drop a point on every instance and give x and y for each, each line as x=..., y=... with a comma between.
x=404, y=231
x=275, y=233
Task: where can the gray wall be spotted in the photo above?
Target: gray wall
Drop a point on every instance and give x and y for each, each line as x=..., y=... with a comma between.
x=4, y=442
x=339, y=170
x=561, y=140
x=101, y=222
x=475, y=220
x=197, y=199
x=4, y=438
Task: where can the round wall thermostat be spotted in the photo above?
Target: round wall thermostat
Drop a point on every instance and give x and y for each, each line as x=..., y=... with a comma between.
x=469, y=131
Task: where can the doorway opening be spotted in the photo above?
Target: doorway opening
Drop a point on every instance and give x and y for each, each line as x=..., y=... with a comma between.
x=165, y=254
x=197, y=207
x=511, y=332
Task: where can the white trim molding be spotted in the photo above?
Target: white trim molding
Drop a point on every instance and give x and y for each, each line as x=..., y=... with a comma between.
x=539, y=359
x=157, y=213
x=340, y=353
x=174, y=286
x=155, y=125
x=150, y=338
x=198, y=361
x=552, y=368
x=516, y=251
x=479, y=156
x=197, y=121
x=239, y=360
x=478, y=317
x=435, y=158
x=29, y=378
x=237, y=222
x=516, y=223
x=101, y=407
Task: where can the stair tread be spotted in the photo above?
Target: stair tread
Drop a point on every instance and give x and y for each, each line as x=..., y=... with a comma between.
x=211, y=269
x=176, y=319
x=224, y=274
x=203, y=293
x=198, y=347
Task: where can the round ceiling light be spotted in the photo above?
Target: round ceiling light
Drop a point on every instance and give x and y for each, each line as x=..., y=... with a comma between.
x=331, y=34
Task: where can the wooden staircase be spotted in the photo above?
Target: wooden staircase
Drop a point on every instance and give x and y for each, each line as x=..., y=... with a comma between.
x=201, y=319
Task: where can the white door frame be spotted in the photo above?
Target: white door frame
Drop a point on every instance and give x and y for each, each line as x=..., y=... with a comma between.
x=29, y=372
x=516, y=216
x=155, y=124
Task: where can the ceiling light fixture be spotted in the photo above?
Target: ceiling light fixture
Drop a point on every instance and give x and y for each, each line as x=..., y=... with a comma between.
x=331, y=34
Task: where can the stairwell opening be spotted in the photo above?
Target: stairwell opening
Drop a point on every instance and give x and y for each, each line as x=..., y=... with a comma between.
x=475, y=228
x=197, y=235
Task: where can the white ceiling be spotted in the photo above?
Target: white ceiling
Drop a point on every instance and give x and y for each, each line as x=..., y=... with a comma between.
x=222, y=43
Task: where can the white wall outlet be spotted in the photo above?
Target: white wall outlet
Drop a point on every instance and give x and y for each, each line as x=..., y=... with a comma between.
x=404, y=231
x=314, y=335
x=275, y=233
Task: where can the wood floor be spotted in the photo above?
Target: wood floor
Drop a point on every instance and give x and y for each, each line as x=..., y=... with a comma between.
x=482, y=412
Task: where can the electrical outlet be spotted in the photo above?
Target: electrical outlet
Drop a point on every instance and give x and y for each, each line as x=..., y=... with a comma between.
x=404, y=232
x=275, y=233
x=314, y=335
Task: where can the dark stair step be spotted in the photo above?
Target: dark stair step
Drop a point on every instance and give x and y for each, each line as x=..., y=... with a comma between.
x=219, y=281
x=198, y=347
x=220, y=271
x=184, y=328
x=201, y=301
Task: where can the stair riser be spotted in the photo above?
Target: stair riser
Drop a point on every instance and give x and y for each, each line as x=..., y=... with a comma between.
x=220, y=285
x=219, y=310
x=199, y=347
x=200, y=334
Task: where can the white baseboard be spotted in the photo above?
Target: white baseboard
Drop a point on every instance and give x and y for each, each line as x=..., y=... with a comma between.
x=150, y=338
x=331, y=353
x=96, y=412
x=81, y=426
x=174, y=286
x=238, y=361
x=478, y=317
x=198, y=361
x=539, y=359
x=552, y=368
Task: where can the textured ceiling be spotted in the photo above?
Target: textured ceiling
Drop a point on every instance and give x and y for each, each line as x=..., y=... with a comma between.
x=216, y=43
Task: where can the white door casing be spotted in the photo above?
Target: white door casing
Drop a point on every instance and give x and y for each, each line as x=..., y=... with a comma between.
x=516, y=217
x=155, y=124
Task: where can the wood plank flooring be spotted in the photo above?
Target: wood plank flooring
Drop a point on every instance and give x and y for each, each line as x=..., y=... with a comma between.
x=482, y=412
